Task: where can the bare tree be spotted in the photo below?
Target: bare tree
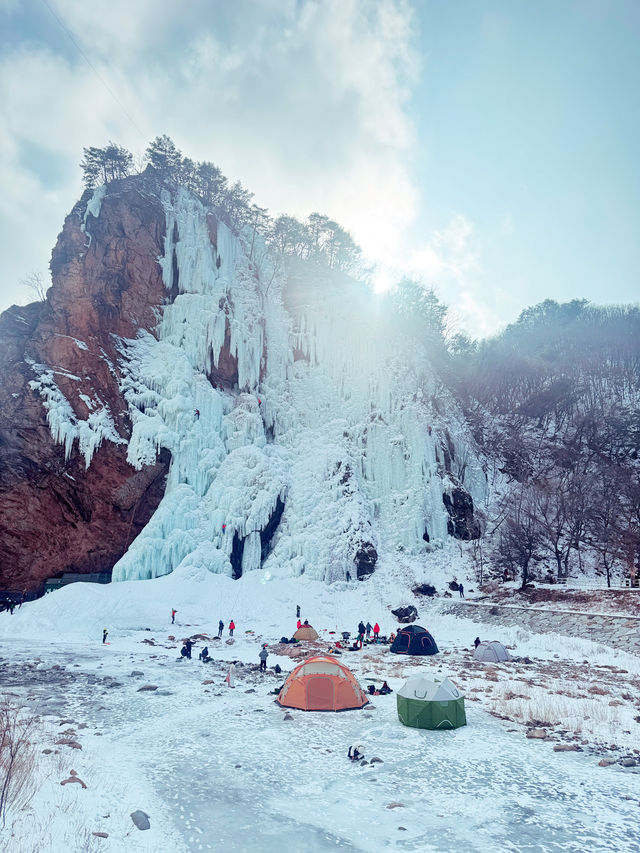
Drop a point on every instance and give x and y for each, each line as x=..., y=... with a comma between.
x=35, y=282
x=605, y=513
x=520, y=533
x=552, y=505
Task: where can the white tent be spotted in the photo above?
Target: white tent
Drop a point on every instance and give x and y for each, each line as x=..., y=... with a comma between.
x=491, y=651
x=421, y=687
x=426, y=704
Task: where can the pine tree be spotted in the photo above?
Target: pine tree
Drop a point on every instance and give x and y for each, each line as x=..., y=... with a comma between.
x=165, y=158
x=211, y=184
x=102, y=165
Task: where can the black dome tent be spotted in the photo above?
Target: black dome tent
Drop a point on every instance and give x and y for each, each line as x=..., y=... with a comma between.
x=414, y=640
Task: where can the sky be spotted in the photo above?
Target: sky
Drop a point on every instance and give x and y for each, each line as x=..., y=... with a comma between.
x=488, y=148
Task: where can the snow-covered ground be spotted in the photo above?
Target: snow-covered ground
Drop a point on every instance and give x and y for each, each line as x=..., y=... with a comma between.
x=222, y=769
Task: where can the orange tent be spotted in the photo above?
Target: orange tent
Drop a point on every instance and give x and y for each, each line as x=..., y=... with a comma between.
x=321, y=683
x=305, y=632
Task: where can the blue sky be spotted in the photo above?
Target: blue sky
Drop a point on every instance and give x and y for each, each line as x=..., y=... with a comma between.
x=528, y=116
x=487, y=147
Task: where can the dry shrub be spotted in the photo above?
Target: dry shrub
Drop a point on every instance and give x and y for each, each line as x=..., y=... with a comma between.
x=598, y=691
x=17, y=759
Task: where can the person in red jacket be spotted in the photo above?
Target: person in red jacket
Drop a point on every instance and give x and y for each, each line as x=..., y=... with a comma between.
x=299, y=625
x=376, y=631
x=232, y=626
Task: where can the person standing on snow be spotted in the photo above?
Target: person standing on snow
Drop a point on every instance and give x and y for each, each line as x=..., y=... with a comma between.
x=105, y=634
x=173, y=616
x=361, y=633
x=376, y=631
x=461, y=590
x=232, y=627
x=264, y=654
x=231, y=675
x=299, y=625
x=220, y=628
x=369, y=629
x=188, y=643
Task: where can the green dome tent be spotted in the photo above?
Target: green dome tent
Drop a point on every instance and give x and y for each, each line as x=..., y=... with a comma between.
x=426, y=704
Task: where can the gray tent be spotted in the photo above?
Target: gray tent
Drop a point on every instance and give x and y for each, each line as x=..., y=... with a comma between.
x=491, y=652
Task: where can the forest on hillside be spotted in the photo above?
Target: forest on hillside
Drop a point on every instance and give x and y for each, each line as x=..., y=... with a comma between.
x=554, y=403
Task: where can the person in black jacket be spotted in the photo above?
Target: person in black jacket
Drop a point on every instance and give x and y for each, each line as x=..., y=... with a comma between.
x=357, y=754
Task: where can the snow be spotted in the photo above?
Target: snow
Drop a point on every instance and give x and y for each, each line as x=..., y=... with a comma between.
x=65, y=425
x=94, y=204
x=212, y=766
x=78, y=343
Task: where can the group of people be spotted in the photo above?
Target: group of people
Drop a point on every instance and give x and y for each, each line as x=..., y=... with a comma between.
x=10, y=604
x=365, y=630
x=383, y=691
x=232, y=624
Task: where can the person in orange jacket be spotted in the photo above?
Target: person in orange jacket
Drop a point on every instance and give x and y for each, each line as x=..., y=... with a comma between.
x=232, y=626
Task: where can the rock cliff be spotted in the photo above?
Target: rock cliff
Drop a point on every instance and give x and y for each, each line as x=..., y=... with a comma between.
x=57, y=514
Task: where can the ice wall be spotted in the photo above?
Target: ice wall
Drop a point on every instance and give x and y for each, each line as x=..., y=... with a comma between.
x=338, y=436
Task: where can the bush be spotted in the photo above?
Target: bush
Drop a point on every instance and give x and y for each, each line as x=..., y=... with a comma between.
x=17, y=758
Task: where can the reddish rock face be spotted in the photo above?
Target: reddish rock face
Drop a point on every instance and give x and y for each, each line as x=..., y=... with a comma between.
x=56, y=515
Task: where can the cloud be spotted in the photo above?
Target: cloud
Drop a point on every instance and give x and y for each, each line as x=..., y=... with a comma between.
x=305, y=102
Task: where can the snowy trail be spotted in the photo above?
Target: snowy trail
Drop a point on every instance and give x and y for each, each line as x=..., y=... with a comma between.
x=225, y=766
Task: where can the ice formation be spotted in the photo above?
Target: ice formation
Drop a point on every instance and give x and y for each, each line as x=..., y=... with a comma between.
x=319, y=453
x=65, y=426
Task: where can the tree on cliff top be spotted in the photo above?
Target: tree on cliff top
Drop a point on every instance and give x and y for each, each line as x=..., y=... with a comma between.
x=163, y=155
x=101, y=165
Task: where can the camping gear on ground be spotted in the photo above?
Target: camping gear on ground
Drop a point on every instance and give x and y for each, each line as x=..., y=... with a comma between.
x=491, y=651
x=414, y=640
x=306, y=632
x=322, y=683
x=426, y=704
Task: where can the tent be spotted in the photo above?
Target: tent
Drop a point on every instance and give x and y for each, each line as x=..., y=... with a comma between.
x=305, y=632
x=426, y=704
x=414, y=640
x=492, y=651
x=321, y=683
